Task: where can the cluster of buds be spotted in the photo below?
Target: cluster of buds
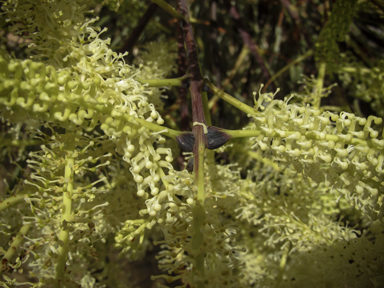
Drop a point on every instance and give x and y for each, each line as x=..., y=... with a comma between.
x=31, y=89
x=342, y=151
x=60, y=196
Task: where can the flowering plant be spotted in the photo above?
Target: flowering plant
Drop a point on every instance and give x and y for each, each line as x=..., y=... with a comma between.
x=291, y=198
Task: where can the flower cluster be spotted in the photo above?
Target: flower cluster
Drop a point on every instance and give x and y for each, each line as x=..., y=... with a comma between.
x=159, y=59
x=94, y=88
x=77, y=83
x=342, y=151
x=60, y=195
x=367, y=83
x=293, y=217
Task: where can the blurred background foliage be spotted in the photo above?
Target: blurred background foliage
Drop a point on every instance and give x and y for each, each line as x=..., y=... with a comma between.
x=243, y=44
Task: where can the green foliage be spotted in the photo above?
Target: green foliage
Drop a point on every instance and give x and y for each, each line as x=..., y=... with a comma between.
x=335, y=29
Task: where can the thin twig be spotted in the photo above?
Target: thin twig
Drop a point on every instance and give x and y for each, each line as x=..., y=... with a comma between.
x=248, y=41
x=286, y=67
x=168, y=8
x=135, y=35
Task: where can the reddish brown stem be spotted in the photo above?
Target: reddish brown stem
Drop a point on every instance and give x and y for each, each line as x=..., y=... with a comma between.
x=195, y=89
x=194, y=68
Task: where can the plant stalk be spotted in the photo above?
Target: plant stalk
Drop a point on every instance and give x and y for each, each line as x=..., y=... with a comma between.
x=199, y=130
x=65, y=217
x=163, y=82
x=14, y=245
x=231, y=100
x=11, y=201
x=168, y=8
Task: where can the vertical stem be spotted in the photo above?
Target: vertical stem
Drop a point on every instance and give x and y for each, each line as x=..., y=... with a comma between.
x=320, y=84
x=65, y=218
x=207, y=115
x=197, y=103
x=199, y=130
